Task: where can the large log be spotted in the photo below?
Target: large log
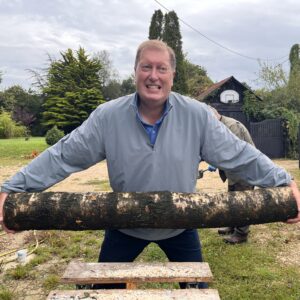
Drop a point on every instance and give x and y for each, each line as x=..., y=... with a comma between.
x=85, y=211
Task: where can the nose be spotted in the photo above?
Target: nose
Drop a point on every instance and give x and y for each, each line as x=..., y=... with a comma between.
x=153, y=74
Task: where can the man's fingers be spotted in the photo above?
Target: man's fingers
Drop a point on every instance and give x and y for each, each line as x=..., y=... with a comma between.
x=4, y=228
x=292, y=221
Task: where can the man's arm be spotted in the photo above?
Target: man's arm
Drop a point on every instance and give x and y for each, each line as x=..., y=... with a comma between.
x=75, y=152
x=296, y=194
x=242, y=161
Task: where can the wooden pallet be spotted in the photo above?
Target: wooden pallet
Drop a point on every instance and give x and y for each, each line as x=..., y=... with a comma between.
x=133, y=274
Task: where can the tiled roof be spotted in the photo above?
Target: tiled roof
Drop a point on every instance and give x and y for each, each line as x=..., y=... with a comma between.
x=217, y=85
x=213, y=87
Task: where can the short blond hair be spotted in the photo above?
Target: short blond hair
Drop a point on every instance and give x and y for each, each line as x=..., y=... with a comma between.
x=158, y=45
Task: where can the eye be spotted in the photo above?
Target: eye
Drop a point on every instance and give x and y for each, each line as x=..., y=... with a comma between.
x=146, y=68
x=162, y=69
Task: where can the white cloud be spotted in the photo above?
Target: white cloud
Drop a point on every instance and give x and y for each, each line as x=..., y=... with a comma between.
x=33, y=28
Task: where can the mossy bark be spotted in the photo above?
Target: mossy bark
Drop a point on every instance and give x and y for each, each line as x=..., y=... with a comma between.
x=89, y=211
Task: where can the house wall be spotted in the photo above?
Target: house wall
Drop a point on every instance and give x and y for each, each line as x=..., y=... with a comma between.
x=232, y=110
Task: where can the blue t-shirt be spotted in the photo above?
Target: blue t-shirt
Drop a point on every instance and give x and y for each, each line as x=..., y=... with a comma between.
x=152, y=130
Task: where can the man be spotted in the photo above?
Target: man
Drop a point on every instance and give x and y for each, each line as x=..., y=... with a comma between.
x=237, y=234
x=152, y=140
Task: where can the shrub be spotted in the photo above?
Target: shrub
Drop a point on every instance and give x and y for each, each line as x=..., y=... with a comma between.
x=19, y=131
x=9, y=128
x=6, y=294
x=53, y=135
x=51, y=282
x=20, y=272
x=258, y=110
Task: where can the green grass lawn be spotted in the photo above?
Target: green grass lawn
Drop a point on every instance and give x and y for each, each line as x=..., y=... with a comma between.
x=247, y=271
x=250, y=271
x=18, y=150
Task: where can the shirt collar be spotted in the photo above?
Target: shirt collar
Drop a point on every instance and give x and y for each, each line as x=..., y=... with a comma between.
x=136, y=103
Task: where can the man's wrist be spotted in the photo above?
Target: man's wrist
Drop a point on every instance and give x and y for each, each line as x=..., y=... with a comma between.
x=3, y=196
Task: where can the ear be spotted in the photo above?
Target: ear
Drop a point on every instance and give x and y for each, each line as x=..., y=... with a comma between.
x=134, y=78
x=173, y=76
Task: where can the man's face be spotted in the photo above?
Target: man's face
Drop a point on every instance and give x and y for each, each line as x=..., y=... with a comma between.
x=154, y=76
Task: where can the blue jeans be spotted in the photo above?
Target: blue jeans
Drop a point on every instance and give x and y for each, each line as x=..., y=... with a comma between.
x=120, y=247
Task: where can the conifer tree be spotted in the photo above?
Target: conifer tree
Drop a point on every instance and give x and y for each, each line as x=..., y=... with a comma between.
x=294, y=62
x=172, y=36
x=156, y=25
x=72, y=90
x=197, y=79
x=190, y=79
x=294, y=78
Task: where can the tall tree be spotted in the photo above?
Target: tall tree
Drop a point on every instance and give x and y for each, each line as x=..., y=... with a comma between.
x=24, y=106
x=294, y=77
x=112, y=90
x=128, y=85
x=156, y=25
x=115, y=88
x=172, y=36
x=279, y=101
x=72, y=90
x=166, y=28
x=294, y=62
x=7, y=101
x=272, y=77
x=107, y=73
x=197, y=79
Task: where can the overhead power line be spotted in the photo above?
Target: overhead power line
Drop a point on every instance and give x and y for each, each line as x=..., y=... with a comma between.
x=219, y=44
x=283, y=62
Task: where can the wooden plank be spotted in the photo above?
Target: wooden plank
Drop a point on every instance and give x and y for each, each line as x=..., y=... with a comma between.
x=131, y=285
x=85, y=273
x=189, y=294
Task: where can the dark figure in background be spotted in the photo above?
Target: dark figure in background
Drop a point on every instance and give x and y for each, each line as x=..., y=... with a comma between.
x=237, y=235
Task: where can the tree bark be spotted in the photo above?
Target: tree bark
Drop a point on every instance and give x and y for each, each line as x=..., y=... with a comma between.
x=88, y=211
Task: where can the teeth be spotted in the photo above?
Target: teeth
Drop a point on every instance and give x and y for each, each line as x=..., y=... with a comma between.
x=153, y=86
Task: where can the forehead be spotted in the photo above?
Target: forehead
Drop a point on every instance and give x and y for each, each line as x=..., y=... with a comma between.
x=155, y=55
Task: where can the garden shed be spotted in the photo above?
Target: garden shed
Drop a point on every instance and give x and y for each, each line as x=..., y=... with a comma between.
x=227, y=97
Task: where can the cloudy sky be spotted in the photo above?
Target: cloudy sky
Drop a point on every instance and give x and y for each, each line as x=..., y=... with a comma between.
x=250, y=29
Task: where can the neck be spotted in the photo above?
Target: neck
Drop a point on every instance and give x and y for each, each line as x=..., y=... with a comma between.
x=151, y=113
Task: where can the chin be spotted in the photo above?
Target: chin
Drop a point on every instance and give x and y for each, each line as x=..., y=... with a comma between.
x=155, y=98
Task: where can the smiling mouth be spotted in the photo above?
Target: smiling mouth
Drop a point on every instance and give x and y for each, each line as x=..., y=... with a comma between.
x=153, y=86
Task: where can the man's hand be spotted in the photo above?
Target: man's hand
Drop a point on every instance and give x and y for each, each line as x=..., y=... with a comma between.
x=211, y=168
x=296, y=194
x=3, y=196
